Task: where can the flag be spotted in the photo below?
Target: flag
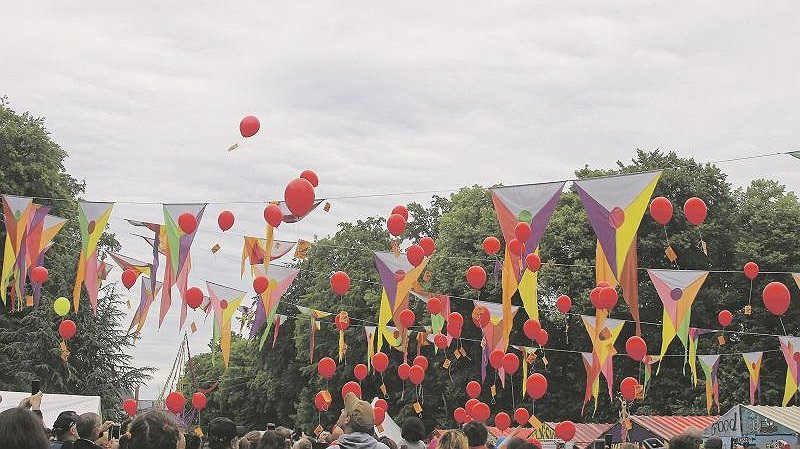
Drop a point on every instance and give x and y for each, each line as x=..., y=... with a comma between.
x=694, y=336
x=280, y=279
x=177, y=246
x=437, y=320
x=92, y=219
x=494, y=335
x=254, y=249
x=314, y=315
x=397, y=276
x=129, y=263
x=224, y=302
x=16, y=213
x=753, y=362
x=790, y=346
x=146, y=297
x=279, y=319
x=710, y=364
x=603, y=333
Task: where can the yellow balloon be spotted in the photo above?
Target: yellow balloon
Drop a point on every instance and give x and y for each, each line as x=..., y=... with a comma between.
x=61, y=306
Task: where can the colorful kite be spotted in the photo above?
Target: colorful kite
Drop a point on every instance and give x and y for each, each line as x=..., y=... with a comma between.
x=753, y=362
x=533, y=204
x=694, y=337
x=224, y=301
x=156, y=243
x=494, y=335
x=528, y=354
x=254, y=249
x=677, y=290
x=129, y=263
x=628, y=279
x=398, y=276
x=314, y=316
x=648, y=362
x=92, y=220
x=280, y=279
x=279, y=319
x=790, y=347
x=146, y=298
x=603, y=332
x=710, y=365
x=177, y=245
x=16, y=213
x=39, y=236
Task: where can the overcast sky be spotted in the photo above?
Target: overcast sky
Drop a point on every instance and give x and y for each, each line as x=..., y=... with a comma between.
x=386, y=97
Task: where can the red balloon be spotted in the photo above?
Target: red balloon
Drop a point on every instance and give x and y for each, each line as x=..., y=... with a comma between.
x=249, y=126
x=311, y=177
x=496, y=359
x=225, y=220
x=403, y=371
x=39, y=275
x=416, y=374
x=471, y=403
x=455, y=319
x=194, y=297
x=491, y=245
x=695, y=210
x=532, y=328
x=223, y=304
x=342, y=321
x=187, y=222
x=129, y=277
x=480, y=316
x=536, y=385
x=460, y=415
x=542, y=337
x=473, y=389
x=396, y=224
x=502, y=421
x=199, y=400
x=67, y=329
x=594, y=297
x=422, y=361
x=273, y=215
x=130, y=406
x=360, y=371
x=407, y=318
x=476, y=277
x=326, y=367
x=415, y=255
x=751, y=270
x=382, y=404
x=175, y=402
x=796, y=356
x=428, y=245
x=510, y=363
x=299, y=196
x=725, y=318
x=434, y=306
x=608, y=297
x=380, y=362
x=516, y=247
x=440, y=341
x=628, y=388
x=565, y=430
x=776, y=298
x=636, y=348
x=521, y=416
x=480, y=412
x=453, y=331
x=533, y=262
x=260, y=284
x=351, y=387
x=320, y=403
x=380, y=415
x=661, y=210
x=564, y=304
x=340, y=282
x=400, y=210
x=522, y=231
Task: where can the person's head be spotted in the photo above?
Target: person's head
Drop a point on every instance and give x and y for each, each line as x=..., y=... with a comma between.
x=519, y=443
x=413, y=429
x=286, y=434
x=88, y=426
x=252, y=437
x=154, y=430
x=222, y=434
x=357, y=416
x=64, y=427
x=476, y=433
x=629, y=446
x=686, y=440
x=713, y=443
x=21, y=429
x=193, y=441
x=388, y=442
x=302, y=443
x=453, y=439
x=271, y=439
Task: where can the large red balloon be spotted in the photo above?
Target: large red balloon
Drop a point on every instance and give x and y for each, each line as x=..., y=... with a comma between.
x=415, y=255
x=326, y=367
x=531, y=328
x=67, y=329
x=636, y=348
x=310, y=176
x=455, y=319
x=422, y=361
x=471, y=403
x=533, y=262
x=351, y=387
x=521, y=416
x=39, y=275
x=564, y=304
x=320, y=403
x=776, y=298
x=536, y=385
x=460, y=415
x=725, y=318
x=453, y=331
x=542, y=337
x=199, y=400
x=661, y=210
x=473, y=389
x=360, y=371
x=175, y=402
x=396, y=224
x=129, y=277
x=440, y=341
x=225, y=220
x=187, y=222
x=751, y=270
x=380, y=362
x=695, y=210
x=434, y=306
x=260, y=284
x=342, y=321
x=516, y=247
x=416, y=374
x=299, y=196
x=428, y=245
x=502, y=421
x=380, y=415
x=565, y=430
x=522, y=231
x=628, y=388
x=340, y=282
x=510, y=363
x=608, y=297
x=407, y=318
x=491, y=245
x=130, y=406
x=476, y=277
x=273, y=215
x=496, y=358
x=480, y=412
x=194, y=297
x=594, y=297
x=400, y=210
x=249, y=126
x=403, y=371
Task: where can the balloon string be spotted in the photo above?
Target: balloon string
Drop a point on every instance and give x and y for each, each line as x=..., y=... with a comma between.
x=750, y=297
x=512, y=392
x=782, y=326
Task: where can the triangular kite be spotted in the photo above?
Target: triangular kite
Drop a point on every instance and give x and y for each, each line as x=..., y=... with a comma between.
x=254, y=249
x=129, y=263
x=39, y=236
x=224, y=301
x=145, y=300
x=694, y=337
x=92, y=219
x=177, y=246
x=603, y=332
x=710, y=365
x=753, y=362
x=280, y=279
x=314, y=316
x=494, y=335
x=16, y=214
x=437, y=320
x=649, y=361
x=790, y=347
x=398, y=276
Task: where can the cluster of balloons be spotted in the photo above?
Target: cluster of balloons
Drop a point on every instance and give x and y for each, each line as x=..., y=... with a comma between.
x=455, y=324
x=299, y=197
x=415, y=254
x=396, y=223
x=175, y=403
x=508, y=362
x=694, y=209
x=604, y=296
x=67, y=328
x=534, y=331
x=416, y=372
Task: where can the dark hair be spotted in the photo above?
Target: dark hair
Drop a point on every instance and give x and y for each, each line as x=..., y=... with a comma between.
x=685, y=441
x=518, y=443
x=413, y=429
x=272, y=439
x=221, y=431
x=713, y=443
x=388, y=442
x=193, y=441
x=21, y=429
x=87, y=425
x=153, y=430
x=63, y=423
x=476, y=433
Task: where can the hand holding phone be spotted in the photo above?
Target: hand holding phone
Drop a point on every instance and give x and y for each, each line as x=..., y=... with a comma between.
x=36, y=386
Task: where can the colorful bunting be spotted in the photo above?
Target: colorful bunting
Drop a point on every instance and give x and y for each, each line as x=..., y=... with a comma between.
x=314, y=316
x=279, y=319
x=39, y=235
x=694, y=336
x=92, y=220
x=753, y=362
x=280, y=279
x=398, y=276
x=369, y=334
x=254, y=249
x=603, y=333
x=790, y=347
x=146, y=298
x=494, y=335
x=710, y=365
x=437, y=320
x=16, y=213
x=129, y=263
x=648, y=362
x=224, y=302
x=628, y=279
x=177, y=245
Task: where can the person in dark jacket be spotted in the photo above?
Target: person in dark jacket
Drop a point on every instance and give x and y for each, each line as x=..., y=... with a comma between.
x=65, y=430
x=358, y=424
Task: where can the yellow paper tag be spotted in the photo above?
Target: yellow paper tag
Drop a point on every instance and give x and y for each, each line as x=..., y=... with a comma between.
x=748, y=310
x=457, y=354
x=704, y=247
x=426, y=276
x=199, y=432
x=28, y=301
x=671, y=254
x=531, y=357
x=493, y=390
x=194, y=327
x=215, y=248
x=417, y=408
x=327, y=207
x=327, y=396
x=640, y=392
x=395, y=249
x=535, y=423
x=379, y=428
x=319, y=429
x=463, y=352
x=721, y=340
x=383, y=390
x=233, y=147
x=544, y=360
x=446, y=364
x=628, y=424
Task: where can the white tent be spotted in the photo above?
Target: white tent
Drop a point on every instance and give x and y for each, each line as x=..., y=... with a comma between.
x=390, y=427
x=53, y=404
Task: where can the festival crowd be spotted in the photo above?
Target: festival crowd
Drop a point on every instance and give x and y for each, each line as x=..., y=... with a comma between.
x=22, y=427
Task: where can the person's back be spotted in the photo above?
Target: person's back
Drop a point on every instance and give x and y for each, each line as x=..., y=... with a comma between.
x=412, y=433
x=713, y=443
x=21, y=429
x=271, y=439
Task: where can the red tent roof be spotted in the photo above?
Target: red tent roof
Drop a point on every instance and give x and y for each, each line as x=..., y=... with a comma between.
x=667, y=427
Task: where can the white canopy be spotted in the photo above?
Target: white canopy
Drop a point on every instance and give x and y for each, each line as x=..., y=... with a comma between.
x=53, y=404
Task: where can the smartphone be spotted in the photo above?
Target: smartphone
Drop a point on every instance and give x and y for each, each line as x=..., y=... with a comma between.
x=114, y=432
x=36, y=386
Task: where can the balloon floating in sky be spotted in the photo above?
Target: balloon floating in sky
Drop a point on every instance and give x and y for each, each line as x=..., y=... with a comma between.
x=299, y=196
x=249, y=126
x=225, y=220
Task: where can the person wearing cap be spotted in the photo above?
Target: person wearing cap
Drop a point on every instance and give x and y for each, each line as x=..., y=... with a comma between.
x=358, y=426
x=64, y=430
x=222, y=434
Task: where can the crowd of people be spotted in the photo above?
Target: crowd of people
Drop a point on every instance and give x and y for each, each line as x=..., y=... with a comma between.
x=22, y=427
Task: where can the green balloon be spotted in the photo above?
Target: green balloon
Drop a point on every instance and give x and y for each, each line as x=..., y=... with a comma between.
x=61, y=306
x=525, y=215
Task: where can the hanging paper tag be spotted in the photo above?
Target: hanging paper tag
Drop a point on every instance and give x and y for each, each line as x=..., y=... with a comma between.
x=704, y=247
x=194, y=327
x=233, y=147
x=327, y=207
x=721, y=340
x=463, y=352
x=199, y=432
x=628, y=424
x=327, y=396
x=129, y=304
x=535, y=423
x=640, y=392
x=493, y=390
x=64, y=351
x=544, y=360
x=417, y=408
x=379, y=428
x=748, y=310
x=671, y=254
x=531, y=357
x=426, y=277
x=28, y=301
x=318, y=430
x=446, y=364
x=457, y=354
x=395, y=248
x=383, y=390
x=215, y=248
